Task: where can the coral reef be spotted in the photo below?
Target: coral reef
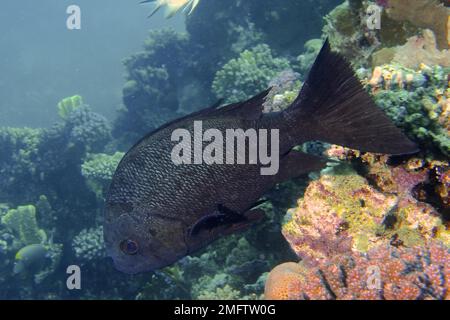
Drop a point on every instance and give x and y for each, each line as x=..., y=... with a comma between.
x=306, y=59
x=385, y=272
x=284, y=89
x=158, y=80
x=374, y=211
x=98, y=170
x=417, y=50
x=428, y=14
x=68, y=105
x=247, y=75
x=341, y=212
x=89, y=244
x=22, y=221
x=417, y=101
x=87, y=128
x=348, y=33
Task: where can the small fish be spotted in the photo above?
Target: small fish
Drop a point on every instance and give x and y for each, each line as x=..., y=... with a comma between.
x=158, y=212
x=173, y=6
x=29, y=257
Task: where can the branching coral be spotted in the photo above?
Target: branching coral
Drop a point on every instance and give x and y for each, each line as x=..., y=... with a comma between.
x=156, y=79
x=88, y=129
x=248, y=74
x=89, y=244
x=417, y=101
x=17, y=159
x=98, y=170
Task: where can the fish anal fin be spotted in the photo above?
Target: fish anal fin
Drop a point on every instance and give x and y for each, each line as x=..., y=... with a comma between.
x=295, y=164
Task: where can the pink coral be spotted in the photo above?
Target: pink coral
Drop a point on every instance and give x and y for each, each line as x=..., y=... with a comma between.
x=343, y=212
x=385, y=272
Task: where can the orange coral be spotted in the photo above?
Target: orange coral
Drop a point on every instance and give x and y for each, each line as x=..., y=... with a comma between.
x=284, y=282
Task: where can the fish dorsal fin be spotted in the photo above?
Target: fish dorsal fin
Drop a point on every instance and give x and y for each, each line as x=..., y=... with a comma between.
x=250, y=109
x=203, y=113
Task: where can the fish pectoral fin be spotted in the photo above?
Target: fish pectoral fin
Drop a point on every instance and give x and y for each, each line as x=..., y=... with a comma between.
x=295, y=164
x=222, y=216
x=251, y=217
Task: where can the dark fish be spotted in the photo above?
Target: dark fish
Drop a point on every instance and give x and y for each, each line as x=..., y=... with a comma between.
x=158, y=212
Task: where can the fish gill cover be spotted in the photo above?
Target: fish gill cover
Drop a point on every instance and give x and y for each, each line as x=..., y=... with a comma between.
x=363, y=210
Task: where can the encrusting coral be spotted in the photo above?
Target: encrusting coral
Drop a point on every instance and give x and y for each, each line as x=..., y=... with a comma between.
x=342, y=212
x=385, y=272
x=419, y=49
x=429, y=14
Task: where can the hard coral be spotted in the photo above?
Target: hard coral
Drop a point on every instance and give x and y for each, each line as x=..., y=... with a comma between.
x=22, y=221
x=417, y=101
x=417, y=50
x=340, y=213
x=428, y=14
x=98, y=170
x=385, y=272
x=337, y=213
x=285, y=282
x=89, y=244
x=248, y=74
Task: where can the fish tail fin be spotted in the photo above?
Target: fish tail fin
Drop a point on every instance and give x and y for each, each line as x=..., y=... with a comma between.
x=334, y=107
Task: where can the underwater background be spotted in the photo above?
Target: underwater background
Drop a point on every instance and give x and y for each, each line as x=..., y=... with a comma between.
x=74, y=101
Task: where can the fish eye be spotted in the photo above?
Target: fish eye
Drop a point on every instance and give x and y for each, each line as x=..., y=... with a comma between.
x=129, y=247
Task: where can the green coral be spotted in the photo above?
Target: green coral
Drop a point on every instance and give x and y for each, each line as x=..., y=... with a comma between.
x=23, y=222
x=248, y=74
x=98, y=170
x=418, y=106
x=101, y=167
x=69, y=104
x=306, y=59
x=225, y=293
x=19, y=149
